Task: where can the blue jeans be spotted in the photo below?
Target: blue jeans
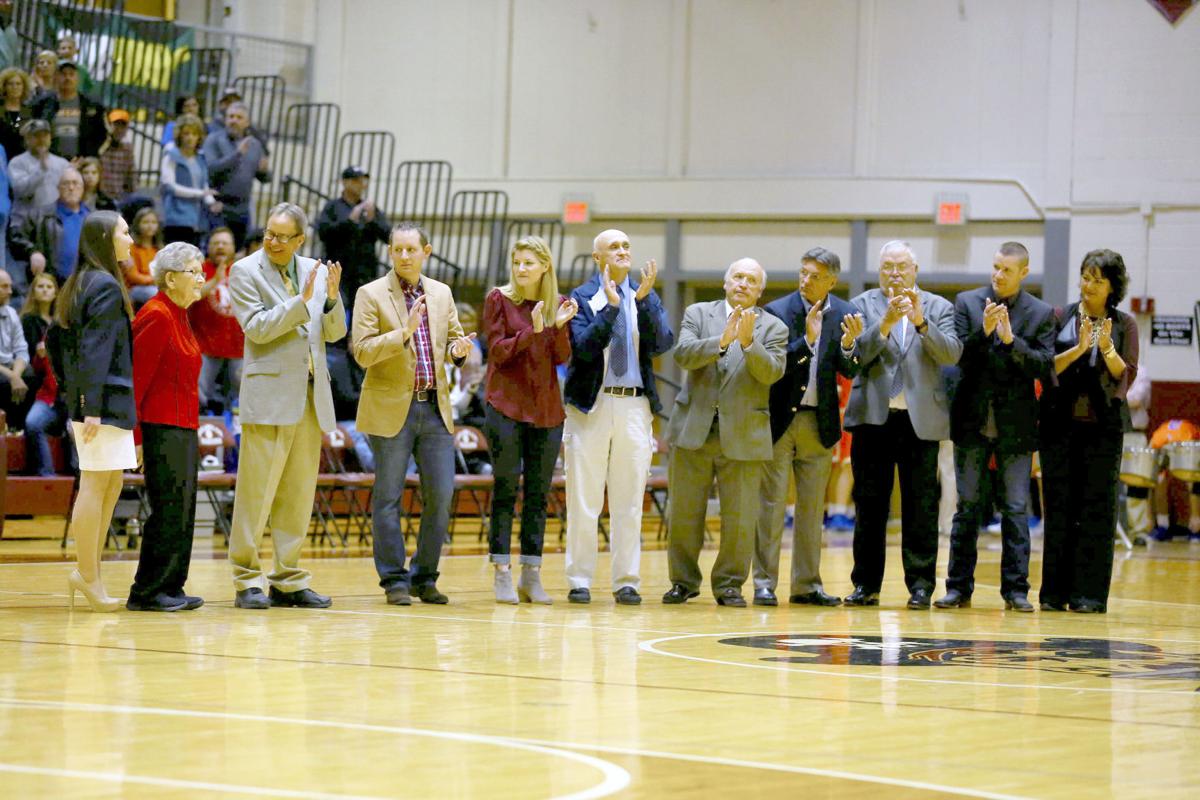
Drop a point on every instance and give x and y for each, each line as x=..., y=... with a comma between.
x=970, y=470
x=40, y=419
x=424, y=434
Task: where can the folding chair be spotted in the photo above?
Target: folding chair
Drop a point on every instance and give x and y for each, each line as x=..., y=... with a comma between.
x=469, y=441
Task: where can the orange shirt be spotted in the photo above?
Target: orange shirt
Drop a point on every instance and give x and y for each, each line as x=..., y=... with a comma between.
x=137, y=272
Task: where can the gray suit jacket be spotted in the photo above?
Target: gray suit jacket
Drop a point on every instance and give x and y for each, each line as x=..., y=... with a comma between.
x=280, y=336
x=924, y=356
x=735, y=386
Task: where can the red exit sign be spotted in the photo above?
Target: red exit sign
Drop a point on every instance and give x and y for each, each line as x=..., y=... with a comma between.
x=950, y=210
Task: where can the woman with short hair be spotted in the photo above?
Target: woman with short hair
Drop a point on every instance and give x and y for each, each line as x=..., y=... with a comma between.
x=166, y=374
x=1083, y=420
x=184, y=187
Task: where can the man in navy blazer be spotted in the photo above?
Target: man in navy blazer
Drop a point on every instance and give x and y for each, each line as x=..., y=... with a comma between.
x=805, y=425
x=1008, y=342
x=610, y=402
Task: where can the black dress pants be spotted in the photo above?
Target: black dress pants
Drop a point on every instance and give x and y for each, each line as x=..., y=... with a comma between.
x=519, y=449
x=1081, y=462
x=875, y=453
x=171, y=458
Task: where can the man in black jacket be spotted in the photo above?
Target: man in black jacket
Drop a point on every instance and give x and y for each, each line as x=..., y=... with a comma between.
x=49, y=238
x=805, y=425
x=1008, y=343
x=349, y=227
x=76, y=121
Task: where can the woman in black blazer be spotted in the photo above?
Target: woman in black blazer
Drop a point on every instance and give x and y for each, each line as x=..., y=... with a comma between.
x=94, y=315
x=1083, y=419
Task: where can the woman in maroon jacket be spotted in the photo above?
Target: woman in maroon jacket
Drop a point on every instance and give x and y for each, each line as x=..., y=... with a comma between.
x=166, y=374
x=525, y=322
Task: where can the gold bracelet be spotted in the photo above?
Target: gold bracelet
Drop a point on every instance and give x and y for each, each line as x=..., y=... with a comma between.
x=1110, y=352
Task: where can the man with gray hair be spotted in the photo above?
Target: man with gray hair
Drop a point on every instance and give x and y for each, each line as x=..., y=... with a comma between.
x=235, y=158
x=805, y=425
x=731, y=354
x=288, y=307
x=899, y=413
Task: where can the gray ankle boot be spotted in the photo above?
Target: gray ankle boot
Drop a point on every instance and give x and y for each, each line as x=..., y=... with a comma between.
x=529, y=587
x=504, y=587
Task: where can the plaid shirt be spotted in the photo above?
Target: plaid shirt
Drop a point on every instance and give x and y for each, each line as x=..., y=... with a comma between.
x=424, y=378
x=116, y=170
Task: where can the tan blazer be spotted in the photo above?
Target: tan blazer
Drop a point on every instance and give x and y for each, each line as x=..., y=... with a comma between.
x=376, y=338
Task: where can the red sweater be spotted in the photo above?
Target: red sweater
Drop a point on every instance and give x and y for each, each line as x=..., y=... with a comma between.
x=213, y=322
x=166, y=366
x=522, y=382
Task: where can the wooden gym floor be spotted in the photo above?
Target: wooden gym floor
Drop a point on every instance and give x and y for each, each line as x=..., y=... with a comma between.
x=473, y=699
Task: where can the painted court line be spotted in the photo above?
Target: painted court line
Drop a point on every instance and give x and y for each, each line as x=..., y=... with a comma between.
x=615, y=778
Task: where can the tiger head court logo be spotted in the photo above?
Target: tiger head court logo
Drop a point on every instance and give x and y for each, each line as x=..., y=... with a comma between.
x=1101, y=658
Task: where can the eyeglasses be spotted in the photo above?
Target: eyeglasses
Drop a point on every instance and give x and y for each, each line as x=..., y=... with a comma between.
x=197, y=274
x=271, y=236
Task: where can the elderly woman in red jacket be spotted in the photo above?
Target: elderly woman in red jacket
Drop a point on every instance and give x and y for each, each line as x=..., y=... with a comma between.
x=166, y=373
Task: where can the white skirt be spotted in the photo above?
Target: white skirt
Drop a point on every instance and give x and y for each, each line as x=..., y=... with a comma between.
x=111, y=449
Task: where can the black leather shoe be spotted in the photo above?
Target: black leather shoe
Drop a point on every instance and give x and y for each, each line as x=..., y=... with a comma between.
x=160, y=602
x=954, y=599
x=399, y=596
x=678, y=593
x=815, y=598
x=1088, y=607
x=627, y=596
x=1017, y=601
x=303, y=598
x=919, y=599
x=251, y=598
x=580, y=596
x=861, y=597
x=429, y=594
x=190, y=602
x=731, y=597
x=1053, y=605
x=765, y=597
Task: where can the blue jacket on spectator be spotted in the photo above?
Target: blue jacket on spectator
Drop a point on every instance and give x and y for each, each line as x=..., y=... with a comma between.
x=184, y=208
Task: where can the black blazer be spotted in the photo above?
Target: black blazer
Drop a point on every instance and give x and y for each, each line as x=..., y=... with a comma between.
x=788, y=391
x=591, y=332
x=1106, y=393
x=97, y=353
x=1001, y=375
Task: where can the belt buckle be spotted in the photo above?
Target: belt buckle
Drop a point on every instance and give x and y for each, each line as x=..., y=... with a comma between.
x=422, y=396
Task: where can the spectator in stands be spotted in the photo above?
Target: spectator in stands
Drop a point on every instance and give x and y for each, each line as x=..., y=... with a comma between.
x=48, y=412
x=405, y=328
x=350, y=226
x=17, y=89
x=235, y=159
x=166, y=367
x=526, y=323
x=221, y=339
x=93, y=353
x=147, y=241
x=253, y=243
x=49, y=239
x=94, y=197
x=118, y=176
x=15, y=374
x=76, y=120
x=42, y=74
x=184, y=104
x=67, y=49
x=34, y=174
x=185, y=189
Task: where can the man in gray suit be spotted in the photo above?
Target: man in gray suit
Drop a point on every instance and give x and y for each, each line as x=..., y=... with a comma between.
x=721, y=425
x=288, y=307
x=898, y=413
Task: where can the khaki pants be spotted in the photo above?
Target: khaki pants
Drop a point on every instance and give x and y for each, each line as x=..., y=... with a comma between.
x=277, y=479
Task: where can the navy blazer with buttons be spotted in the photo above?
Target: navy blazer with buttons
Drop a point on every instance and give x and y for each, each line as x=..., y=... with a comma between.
x=590, y=334
x=787, y=393
x=98, y=353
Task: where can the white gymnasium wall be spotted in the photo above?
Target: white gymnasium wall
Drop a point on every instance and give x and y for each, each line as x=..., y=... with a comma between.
x=795, y=116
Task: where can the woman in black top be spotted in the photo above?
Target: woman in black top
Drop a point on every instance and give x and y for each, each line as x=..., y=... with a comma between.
x=16, y=89
x=95, y=356
x=1083, y=419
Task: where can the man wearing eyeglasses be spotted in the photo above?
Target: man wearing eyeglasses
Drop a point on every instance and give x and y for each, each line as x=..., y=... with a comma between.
x=288, y=307
x=899, y=414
